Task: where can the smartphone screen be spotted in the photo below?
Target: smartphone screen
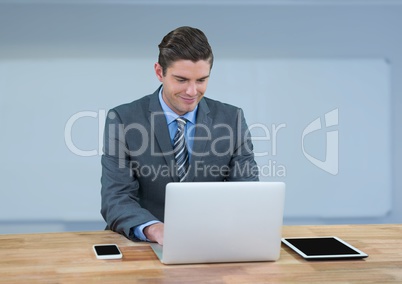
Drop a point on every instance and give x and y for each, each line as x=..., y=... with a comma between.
x=107, y=251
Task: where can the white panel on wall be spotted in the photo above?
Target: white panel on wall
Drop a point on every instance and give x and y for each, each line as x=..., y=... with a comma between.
x=328, y=125
x=325, y=125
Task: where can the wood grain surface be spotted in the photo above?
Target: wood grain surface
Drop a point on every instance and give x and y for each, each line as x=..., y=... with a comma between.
x=69, y=258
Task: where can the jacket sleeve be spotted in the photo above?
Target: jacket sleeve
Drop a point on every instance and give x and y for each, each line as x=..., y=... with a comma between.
x=120, y=205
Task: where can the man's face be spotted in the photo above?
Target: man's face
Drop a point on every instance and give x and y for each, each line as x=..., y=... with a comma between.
x=184, y=84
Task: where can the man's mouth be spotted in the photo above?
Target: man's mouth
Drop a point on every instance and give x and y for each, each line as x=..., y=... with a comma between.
x=189, y=100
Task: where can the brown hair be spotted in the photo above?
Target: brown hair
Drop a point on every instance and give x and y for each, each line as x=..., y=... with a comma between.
x=184, y=43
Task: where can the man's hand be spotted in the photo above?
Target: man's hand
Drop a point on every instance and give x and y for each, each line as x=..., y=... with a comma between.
x=154, y=233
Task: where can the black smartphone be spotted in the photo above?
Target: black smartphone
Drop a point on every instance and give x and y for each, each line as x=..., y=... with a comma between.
x=107, y=251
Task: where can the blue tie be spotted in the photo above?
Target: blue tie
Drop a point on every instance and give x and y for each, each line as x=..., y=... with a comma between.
x=180, y=149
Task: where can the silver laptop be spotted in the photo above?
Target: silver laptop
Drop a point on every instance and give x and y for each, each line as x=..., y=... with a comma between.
x=209, y=222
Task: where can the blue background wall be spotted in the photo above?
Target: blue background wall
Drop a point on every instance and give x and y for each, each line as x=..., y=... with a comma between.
x=284, y=62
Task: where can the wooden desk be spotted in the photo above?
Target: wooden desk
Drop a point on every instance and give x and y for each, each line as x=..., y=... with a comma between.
x=68, y=258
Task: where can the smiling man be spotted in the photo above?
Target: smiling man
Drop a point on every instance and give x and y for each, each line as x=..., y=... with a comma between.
x=173, y=135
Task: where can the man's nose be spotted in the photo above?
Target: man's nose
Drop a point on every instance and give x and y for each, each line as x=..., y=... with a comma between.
x=192, y=89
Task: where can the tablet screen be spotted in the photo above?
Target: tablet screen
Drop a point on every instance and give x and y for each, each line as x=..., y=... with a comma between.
x=323, y=247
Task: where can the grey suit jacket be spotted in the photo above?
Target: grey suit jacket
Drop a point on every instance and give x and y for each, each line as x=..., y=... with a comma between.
x=138, y=158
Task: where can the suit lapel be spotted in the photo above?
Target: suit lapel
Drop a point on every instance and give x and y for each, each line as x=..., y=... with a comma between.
x=199, y=145
x=160, y=134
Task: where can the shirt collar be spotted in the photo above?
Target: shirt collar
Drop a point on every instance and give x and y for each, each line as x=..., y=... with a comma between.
x=171, y=115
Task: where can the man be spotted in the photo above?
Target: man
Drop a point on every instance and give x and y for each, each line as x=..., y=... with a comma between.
x=172, y=135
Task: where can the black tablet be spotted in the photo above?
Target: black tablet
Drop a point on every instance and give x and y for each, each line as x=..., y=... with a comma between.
x=316, y=248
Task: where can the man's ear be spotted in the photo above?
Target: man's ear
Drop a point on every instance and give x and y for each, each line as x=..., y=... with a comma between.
x=158, y=71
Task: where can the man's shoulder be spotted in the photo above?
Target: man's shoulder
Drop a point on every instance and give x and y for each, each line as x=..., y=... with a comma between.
x=215, y=106
x=137, y=106
x=138, y=103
